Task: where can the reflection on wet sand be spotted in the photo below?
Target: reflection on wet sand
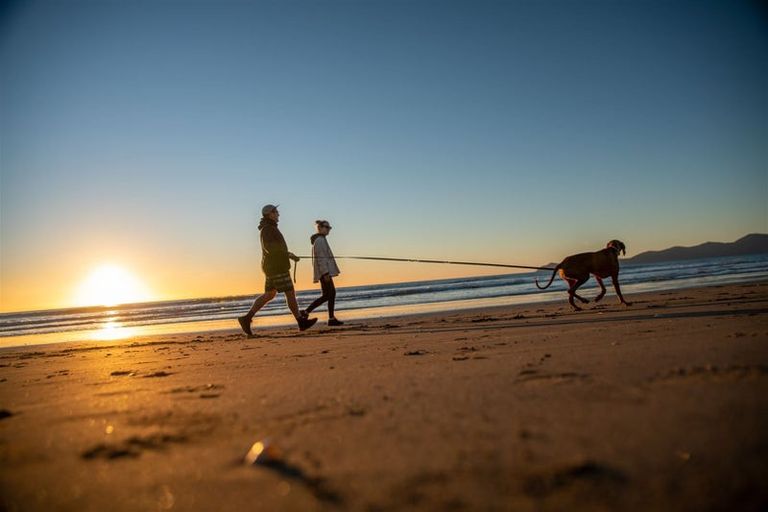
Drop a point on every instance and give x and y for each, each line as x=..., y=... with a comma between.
x=112, y=330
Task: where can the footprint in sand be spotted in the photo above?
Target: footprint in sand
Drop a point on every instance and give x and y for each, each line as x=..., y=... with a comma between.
x=484, y=319
x=132, y=447
x=532, y=376
x=157, y=374
x=592, y=473
x=196, y=389
x=206, y=391
x=131, y=373
x=732, y=372
x=356, y=411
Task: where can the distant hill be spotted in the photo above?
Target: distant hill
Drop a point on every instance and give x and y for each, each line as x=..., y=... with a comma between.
x=750, y=244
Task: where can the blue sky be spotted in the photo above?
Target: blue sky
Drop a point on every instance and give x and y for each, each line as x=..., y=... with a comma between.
x=150, y=134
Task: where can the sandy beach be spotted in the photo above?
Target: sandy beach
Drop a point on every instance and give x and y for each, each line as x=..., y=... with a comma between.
x=660, y=406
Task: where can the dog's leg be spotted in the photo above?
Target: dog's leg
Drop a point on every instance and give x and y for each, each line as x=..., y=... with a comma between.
x=615, y=279
x=577, y=285
x=582, y=299
x=602, y=289
x=574, y=285
x=571, y=283
x=573, y=304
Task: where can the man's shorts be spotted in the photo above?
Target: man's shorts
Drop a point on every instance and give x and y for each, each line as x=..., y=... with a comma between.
x=279, y=282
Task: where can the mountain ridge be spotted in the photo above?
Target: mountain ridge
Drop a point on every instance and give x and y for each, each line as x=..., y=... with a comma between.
x=755, y=243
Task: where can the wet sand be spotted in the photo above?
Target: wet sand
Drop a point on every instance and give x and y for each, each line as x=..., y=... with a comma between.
x=661, y=406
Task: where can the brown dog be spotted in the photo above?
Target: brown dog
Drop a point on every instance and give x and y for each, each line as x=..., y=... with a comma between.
x=575, y=270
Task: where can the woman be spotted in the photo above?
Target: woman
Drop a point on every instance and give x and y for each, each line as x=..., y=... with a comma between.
x=325, y=270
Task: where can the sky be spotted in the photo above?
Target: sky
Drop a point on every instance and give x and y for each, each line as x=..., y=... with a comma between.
x=148, y=134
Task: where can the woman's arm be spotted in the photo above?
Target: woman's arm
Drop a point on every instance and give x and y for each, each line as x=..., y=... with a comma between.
x=322, y=255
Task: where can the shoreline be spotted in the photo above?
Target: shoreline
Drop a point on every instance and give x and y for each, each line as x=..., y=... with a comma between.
x=267, y=322
x=526, y=407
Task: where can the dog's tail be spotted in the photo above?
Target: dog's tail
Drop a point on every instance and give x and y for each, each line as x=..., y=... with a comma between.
x=554, y=273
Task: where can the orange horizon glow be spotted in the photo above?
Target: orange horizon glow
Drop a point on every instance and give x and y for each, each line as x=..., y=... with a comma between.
x=111, y=284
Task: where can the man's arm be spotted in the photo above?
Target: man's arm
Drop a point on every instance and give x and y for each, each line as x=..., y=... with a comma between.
x=273, y=243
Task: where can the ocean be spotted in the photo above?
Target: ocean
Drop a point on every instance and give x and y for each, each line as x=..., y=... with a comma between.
x=106, y=323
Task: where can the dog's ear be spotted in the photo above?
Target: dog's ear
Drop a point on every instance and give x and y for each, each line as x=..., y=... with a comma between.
x=618, y=245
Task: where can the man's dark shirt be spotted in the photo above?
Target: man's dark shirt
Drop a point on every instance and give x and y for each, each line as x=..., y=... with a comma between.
x=274, y=251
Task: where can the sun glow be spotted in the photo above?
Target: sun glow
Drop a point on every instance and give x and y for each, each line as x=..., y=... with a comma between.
x=110, y=285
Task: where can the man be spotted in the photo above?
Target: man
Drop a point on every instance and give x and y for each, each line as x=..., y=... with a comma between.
x=276, y=264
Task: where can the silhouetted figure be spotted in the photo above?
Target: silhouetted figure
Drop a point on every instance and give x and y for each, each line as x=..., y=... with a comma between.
x=276, y=264
x=576, y=269
x=325, y=269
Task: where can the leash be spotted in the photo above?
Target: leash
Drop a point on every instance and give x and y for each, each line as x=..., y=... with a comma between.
x=444, y=262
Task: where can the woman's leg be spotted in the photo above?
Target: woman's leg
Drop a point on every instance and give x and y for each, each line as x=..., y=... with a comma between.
x=320, y=300
x=330, y=291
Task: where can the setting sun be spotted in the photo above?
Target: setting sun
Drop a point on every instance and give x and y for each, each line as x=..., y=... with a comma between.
x=110, y=285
